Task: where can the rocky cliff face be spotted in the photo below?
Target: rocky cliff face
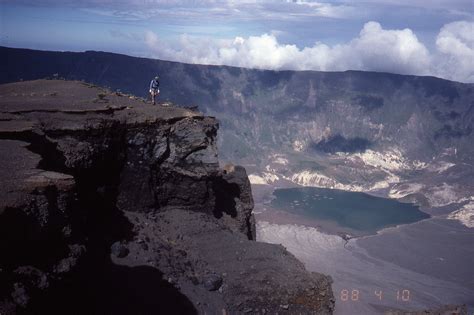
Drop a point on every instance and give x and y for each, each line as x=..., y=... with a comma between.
x=110, y=205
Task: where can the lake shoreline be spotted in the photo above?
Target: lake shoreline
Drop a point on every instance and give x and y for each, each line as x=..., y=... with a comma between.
x=280, y=217
x=265, y=211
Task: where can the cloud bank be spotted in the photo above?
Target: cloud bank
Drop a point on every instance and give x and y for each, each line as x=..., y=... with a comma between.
x=374, y=49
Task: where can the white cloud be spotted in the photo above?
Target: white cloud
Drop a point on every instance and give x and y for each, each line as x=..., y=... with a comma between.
x=374, y=49
x=377, y=49
x=455, y=44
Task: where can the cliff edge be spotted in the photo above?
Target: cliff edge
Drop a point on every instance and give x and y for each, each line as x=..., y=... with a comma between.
x=111, y=205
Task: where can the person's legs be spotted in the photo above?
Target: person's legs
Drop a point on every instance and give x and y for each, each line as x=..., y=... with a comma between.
x=152, y=93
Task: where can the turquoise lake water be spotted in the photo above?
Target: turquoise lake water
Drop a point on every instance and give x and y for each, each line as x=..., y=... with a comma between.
x=354, y=210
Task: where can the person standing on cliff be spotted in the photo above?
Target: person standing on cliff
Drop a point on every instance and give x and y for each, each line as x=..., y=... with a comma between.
x=154, y=89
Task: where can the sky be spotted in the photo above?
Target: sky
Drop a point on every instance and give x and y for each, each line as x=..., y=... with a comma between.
x=420, y=37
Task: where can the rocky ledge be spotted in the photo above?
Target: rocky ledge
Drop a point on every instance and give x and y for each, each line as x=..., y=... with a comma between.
x=111, y=205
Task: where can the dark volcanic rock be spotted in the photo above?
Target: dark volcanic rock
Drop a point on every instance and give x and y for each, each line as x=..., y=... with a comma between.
x=35, y=205
x=234, y=201
x=212, y=282
x=119, y=250
x=111, y=205
x=218, y=268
